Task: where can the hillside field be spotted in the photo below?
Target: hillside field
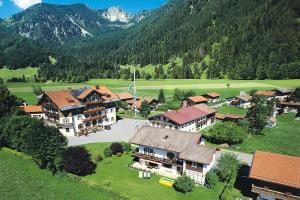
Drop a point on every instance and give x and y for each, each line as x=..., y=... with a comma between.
x=28, y=72
x=152, y=87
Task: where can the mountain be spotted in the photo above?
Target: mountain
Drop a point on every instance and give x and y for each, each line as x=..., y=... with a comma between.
x=47, y=22
x=236, y=39
x=115, y=14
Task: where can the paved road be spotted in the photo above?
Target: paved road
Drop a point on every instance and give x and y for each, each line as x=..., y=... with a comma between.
x=243, y=157
x=122, y=131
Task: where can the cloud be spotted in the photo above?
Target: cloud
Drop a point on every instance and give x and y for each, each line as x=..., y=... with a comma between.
x=23, y=4
x=1, y=3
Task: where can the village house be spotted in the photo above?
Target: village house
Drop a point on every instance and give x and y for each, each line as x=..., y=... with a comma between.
x=242, y=101
x=282, y=94
x=290, y=106
x=191, y=119
x=266, y=93
x=34, y=111
x=171, y=153
x=275, y=176
x=190, y=101
x=212, y=97
x=153, y=103
x=81, y=111
x=125, y=97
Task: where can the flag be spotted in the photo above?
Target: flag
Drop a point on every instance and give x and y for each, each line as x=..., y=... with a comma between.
x=130, y=86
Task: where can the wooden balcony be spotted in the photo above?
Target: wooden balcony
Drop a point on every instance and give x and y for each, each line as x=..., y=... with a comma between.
x=94, y=118
x=158, y=160
x=196, y=169
x=276, y=194
x=93, y=103
x=94, y=110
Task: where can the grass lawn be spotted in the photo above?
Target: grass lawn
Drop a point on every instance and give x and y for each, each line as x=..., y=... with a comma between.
x=232, y=110
x=28, y=72
x=114, y=173
x=283, y=139
x=21, y=179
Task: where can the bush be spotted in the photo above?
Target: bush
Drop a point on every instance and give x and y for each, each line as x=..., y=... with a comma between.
x=127, y=147
x=77, y=160
x=211, y=179
x=98, y=158
x=184, y=184
x=119, y=154
x=228, y=164
x=227, y=132
x=107, y=152
x=116, y=148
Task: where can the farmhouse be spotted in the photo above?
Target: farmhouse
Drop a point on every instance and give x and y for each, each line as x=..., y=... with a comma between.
x=153, y=103
x=191, y=119
x=171, y=153
x=34, y=111
x=80, y=111
x=290, y=106
x=266, y=93
x=229, y=117
x=125, y=97
x=212, y=97
x=275, y=176
x=242, y=101
x=190, y=101
x=282, y=94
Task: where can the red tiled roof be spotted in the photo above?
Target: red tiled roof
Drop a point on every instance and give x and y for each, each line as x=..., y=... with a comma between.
x=213, y=94
x=32, y=109
x=63, y=98
x=276, y=168
x=267, y=93
x=184, y=115
x=125, y=95
x=105, y=91
x=198, y=99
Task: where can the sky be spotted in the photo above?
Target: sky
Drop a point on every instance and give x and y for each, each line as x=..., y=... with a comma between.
x=10, y=7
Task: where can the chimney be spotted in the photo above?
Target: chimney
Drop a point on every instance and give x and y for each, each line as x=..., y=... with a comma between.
x=97, y=87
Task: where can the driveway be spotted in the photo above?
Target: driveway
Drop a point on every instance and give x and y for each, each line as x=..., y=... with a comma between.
x=243, y=157
x=122, y=131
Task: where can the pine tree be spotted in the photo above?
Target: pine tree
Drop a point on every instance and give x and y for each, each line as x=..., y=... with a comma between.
x=161, y=96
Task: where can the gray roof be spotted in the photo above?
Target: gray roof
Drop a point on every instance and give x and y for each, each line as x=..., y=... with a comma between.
x=198, y=153
x=185, y=143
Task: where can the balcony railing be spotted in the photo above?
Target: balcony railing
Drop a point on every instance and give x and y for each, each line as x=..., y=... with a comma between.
x=94, y=110
x=94, y=118
x=94, y=103
x=276, y=194
x=156, y=159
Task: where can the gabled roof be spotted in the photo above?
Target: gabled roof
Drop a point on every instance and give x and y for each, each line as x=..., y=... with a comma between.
x=125, y=95
x=64, y=100
x=184, y=115
x=198, y=99
x=213, y=94
x=184, y=143
x=187, y=114
x=245, y=98
x=229, y=116
x=267, y=93
x=276, y=168
x=108, y=95
x=32, y=109
x=85, y=93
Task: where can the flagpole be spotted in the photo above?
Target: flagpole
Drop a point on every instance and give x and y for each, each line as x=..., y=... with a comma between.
x=134, y=96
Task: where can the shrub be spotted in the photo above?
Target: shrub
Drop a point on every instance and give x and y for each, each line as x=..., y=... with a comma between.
x=127, y=147
x=119, y=154
x=107, y=152
x=184, y=184
x=98, y=158
x=116, y=148
x=227, y=165
x=228, y=132
x=77, y=160
x=211, y=179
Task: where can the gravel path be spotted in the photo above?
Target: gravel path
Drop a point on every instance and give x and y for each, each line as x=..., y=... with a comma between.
x=122, y=131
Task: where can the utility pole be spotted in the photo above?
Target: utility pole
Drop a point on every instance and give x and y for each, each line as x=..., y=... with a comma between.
x=134, y=99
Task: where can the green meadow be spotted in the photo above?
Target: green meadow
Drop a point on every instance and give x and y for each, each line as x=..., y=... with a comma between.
x=152, y=87
x=28, y=72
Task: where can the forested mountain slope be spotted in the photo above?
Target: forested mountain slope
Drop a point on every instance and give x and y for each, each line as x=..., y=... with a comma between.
x=237, y=39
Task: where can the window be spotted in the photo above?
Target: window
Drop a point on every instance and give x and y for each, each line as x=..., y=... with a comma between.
x=148, y=151
x=107, y=120
x=79, y=117
x=67, y=130
x=194, y=164
x=112, y=119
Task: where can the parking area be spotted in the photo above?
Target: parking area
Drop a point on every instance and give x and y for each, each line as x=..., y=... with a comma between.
x=122, y=131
